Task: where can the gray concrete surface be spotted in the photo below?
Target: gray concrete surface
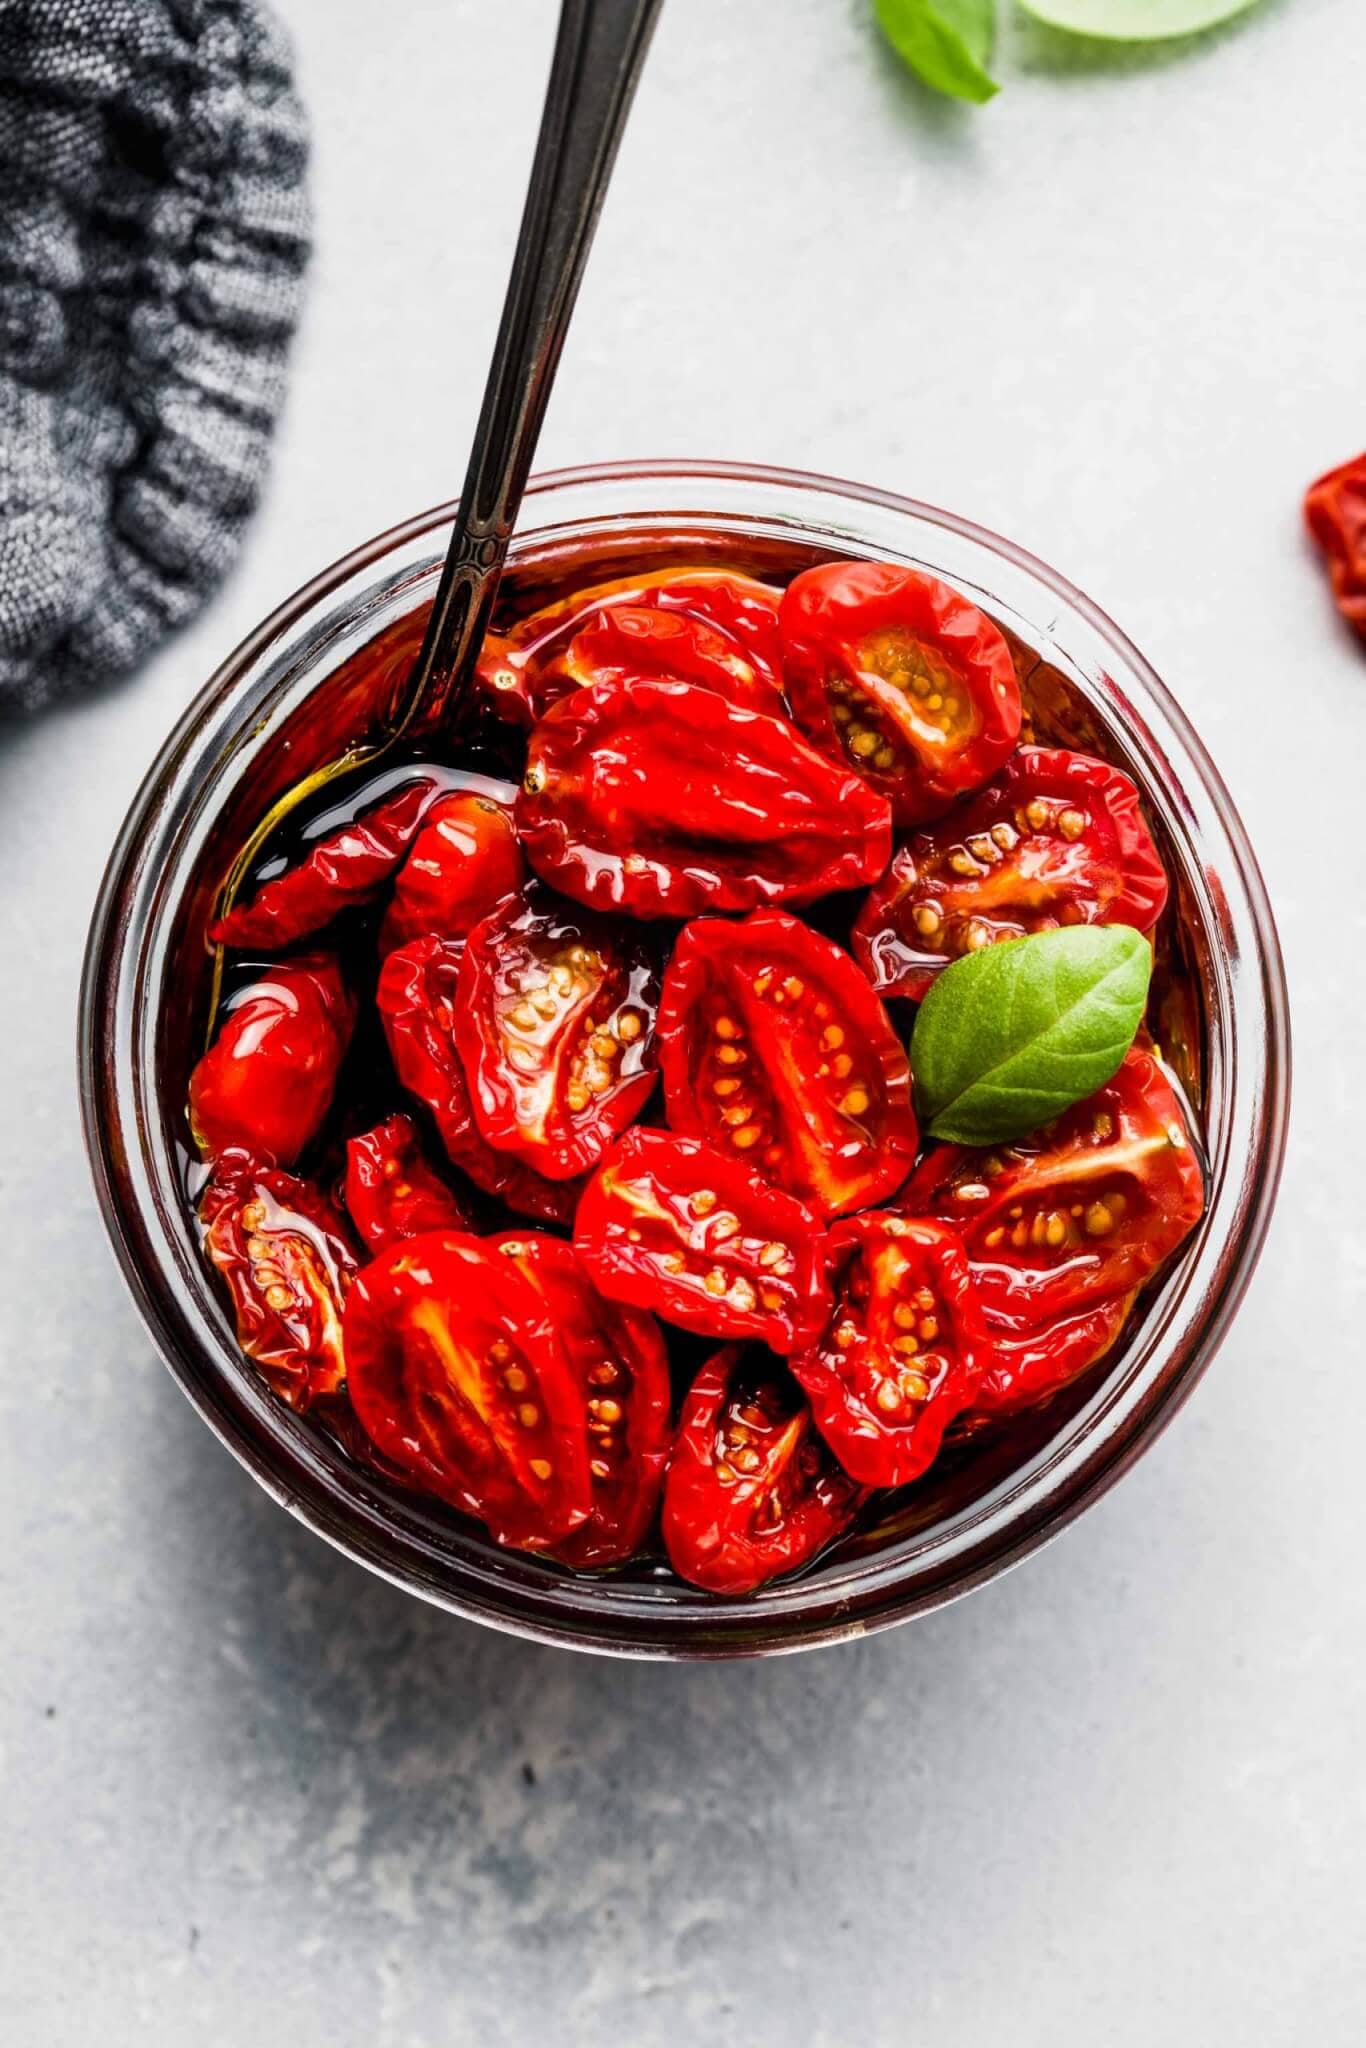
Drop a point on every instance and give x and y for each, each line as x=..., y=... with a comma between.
x=248, y=1794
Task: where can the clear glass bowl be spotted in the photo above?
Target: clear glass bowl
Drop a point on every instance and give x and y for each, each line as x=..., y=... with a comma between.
x=270, y=713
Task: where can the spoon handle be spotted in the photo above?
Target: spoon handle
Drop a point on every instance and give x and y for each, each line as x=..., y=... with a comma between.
x=599, y=49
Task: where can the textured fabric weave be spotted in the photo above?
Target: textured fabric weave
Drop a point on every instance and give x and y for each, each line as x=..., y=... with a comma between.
x=153, y=234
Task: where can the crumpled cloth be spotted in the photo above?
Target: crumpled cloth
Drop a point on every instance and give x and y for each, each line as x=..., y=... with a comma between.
x=153, y=237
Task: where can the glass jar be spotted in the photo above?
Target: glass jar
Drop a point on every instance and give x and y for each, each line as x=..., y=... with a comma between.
x=272, y=712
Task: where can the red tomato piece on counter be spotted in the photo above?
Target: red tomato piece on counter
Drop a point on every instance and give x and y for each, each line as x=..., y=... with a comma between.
x=458, y=1378
x=672, y=1225
x=391, y=1191
x=896, y=675
x=1335, y=512
x=621, y=1367
x=346, y=867
x=287, y=1260
x=554, y=1021
x=266, y=1083
x=774, y=1046
x=661, y=799
x=904, y=1350
x=1078, y=1213
x=526, y=670
x=1057, y=839
x=752, y=1492
x=462, y=863
x=416, y=998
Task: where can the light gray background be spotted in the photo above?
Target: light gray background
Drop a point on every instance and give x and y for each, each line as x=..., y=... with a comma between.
x=250, y=1795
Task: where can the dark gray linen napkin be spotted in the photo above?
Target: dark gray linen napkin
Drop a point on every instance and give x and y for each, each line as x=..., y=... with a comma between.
x=153, y=235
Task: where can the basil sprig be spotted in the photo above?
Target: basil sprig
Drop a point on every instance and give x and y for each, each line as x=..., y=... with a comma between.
x=945, y=42
x=1009, y=1037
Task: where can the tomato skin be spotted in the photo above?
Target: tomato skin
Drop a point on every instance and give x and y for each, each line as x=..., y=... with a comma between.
x=1058, y=838
x=523, y=672
x=904, y=1350
x=287, y=1260
x=751, y=1491
x=621, y=1368
x=416, y=999
x=266, y=1083
x=349, y=866
x=773, y=1044
x=554, y=1022
x=464, y=861
x=457, y=1377
x=714, y=1248
x=645, y=640
x=661, y=799
x=1077, y=1214
x=1027, y=1367
x=1335, y=513
x=391, y=1192
x=867, y=648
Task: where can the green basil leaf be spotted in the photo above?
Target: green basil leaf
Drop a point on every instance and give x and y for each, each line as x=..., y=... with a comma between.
x=945, y=42
x=1135, y=21
x=1009, y=1037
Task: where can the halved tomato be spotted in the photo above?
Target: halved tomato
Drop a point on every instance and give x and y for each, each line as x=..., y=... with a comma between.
x=619, y=1362
x=1027, y=1367
x=898, y=675
x=751, y=1492
x=288, y=1260
x=391, y=1192
x=661, y=799
x=266, y=1083
x=1080, y=1212
x=463, y=862
x=773, y=1045
x=554, y=1021
x=346, y=866
x=526, y=670
x=458, y=1378
x=416, y=999
x=904, y=1350
x=645, y=640
x=674, y=1226
x=1057, y=839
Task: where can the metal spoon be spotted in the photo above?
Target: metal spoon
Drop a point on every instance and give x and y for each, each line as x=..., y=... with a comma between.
x=599, y=49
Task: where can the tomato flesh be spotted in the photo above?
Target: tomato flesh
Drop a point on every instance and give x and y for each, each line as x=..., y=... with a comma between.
x=904, y=1350
x=662, y=799
x=621, y=1368
x=457, y=1377
x=1057, y=839
x=391, y=1191
x=899, y=676
x=1080, y=1212
x=287, y=1260
x=416, y=998
x=523, y=672
x=672, y=1225
x=463, y=862
x=642, y=640
x=752, y=1492
x=1027, y=1367
x=554, y=1021
x=774, y=1046
x=347, y=867
x=267, y=1081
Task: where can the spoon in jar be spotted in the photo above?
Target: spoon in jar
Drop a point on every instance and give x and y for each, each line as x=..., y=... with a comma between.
x=599, y=49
